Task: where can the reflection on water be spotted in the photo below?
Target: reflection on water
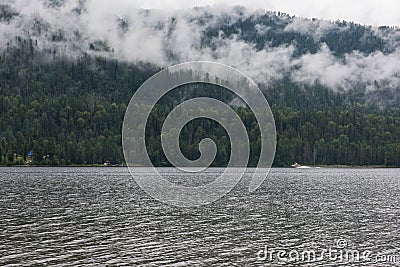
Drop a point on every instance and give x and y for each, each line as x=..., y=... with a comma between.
x=99, y=216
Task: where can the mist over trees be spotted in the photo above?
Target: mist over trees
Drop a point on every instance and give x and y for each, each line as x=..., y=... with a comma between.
x=71, y=111
x=334, y=87
x=265, y=45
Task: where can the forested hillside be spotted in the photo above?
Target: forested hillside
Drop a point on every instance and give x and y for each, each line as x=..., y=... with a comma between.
x=68, y=108
x=71, y=111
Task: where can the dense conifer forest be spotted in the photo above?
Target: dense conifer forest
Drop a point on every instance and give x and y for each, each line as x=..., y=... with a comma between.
x=69, y=110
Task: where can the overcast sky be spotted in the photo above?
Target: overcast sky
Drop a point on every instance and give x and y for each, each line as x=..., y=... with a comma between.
x=373, y=12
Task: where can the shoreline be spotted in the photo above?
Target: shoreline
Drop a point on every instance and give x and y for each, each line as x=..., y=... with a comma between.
x=125, y=166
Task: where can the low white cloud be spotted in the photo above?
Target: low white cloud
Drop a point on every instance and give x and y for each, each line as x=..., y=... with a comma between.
x=355, y=68
x=315, y=28
x=371, y=12
x=169, y=36
x=322, y=67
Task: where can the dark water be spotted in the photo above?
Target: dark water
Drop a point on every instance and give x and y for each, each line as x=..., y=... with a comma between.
x=99, y=217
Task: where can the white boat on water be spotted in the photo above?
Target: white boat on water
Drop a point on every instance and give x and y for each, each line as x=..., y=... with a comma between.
x=298, y=166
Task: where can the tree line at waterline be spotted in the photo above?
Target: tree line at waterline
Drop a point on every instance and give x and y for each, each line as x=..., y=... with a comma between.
x=70, y=111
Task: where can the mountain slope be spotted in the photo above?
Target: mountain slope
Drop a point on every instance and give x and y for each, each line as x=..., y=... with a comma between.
x=64, y=84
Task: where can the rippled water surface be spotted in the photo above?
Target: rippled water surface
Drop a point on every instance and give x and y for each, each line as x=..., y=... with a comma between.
x=100, y=217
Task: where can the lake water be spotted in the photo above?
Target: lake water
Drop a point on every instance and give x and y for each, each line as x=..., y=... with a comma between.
x=99, y=216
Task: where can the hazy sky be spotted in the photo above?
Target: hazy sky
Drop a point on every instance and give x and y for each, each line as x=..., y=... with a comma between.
x=374, y=12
